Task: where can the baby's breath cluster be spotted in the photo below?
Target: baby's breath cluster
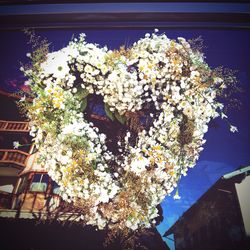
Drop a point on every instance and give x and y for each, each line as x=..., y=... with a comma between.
x=163, y=94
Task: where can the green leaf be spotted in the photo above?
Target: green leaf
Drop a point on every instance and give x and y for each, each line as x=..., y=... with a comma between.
x=94, y=165
x=109, y=114
x=84, y=104
x=81, y=93
x=120, y=118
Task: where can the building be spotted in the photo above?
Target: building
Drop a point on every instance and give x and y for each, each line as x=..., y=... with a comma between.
x=31, y=209
x=25, y=188
x=220, y=219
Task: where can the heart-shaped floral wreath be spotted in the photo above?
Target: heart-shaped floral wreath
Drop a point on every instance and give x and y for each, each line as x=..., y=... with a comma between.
x=158, y=95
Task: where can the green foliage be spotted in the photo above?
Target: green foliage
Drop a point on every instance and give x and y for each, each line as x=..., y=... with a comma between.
x=112, y=116
x=76, y=142
x=81, y=93
x=109, y=114
x=120, y=118
x=84, y=104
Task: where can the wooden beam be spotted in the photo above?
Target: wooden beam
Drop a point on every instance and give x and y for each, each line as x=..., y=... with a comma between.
x=123, y=15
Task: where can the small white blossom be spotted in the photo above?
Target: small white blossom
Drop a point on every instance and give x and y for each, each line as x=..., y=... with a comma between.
x=177, y=196
x=16, y=144
x=233, y=129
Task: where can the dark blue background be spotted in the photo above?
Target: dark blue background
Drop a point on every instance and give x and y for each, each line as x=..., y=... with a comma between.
x=224, y=151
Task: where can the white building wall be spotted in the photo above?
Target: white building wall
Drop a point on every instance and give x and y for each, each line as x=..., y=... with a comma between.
x=243, y=192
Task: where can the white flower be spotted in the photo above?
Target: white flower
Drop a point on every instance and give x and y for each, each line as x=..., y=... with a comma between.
x=139, y=165
x=177, y=196
x=56, y=64
x=74, y=90
x=233, y=129
x=223, y=115
x=64, y=159
x=23, y=99
x=104, y=197
x=88, y=69
x=16, y=144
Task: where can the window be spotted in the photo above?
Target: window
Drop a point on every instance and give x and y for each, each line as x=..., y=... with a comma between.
x=39, y=183
x=7, y=183
x=55, y=188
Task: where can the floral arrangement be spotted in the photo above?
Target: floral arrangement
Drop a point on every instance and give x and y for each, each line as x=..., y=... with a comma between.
x=159, y=93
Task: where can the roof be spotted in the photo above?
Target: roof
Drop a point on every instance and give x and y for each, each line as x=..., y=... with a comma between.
x=32, y=165
x=232, y=177
x=237, y=172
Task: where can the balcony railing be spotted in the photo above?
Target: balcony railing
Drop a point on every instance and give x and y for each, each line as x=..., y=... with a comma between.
x=13, y=156
x=14, y=126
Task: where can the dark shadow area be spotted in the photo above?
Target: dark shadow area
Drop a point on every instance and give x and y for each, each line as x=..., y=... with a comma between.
x=29, y=235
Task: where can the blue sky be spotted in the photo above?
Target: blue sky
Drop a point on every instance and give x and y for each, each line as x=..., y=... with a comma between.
x=223, y=151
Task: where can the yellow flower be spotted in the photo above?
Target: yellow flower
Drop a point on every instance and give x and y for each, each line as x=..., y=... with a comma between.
x=57, y=105
x=141, y=68
x=158, y=147
x=50, y=90
x=150, y=65
x=153, y=80
x=172, y=173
